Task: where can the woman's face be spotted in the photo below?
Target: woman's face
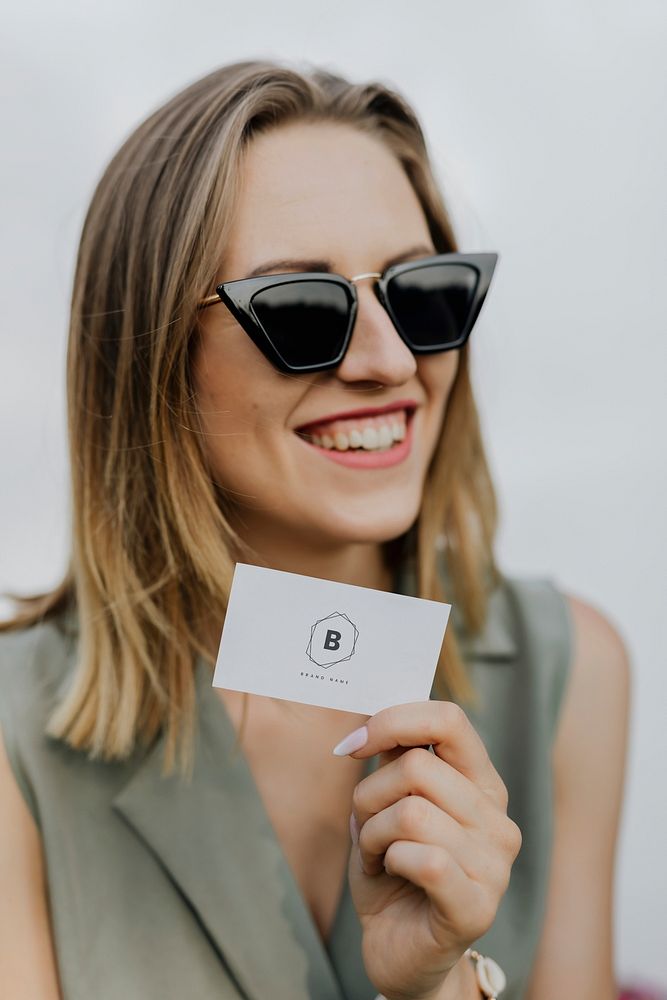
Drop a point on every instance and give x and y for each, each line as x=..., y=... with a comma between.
x=322, y=192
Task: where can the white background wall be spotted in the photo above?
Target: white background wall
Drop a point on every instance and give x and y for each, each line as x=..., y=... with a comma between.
x=547, y=125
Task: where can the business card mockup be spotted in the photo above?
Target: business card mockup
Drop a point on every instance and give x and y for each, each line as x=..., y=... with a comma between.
x=325, y=643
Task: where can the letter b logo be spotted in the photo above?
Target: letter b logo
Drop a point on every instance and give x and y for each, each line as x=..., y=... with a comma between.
x=332, y=640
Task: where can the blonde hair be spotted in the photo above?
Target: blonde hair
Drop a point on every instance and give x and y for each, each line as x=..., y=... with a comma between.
x=151, y=541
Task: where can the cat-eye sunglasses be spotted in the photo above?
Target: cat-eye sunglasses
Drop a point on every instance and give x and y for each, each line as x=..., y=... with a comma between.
x=303, y=321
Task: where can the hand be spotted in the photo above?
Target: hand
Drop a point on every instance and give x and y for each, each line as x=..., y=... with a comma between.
x=435, y=842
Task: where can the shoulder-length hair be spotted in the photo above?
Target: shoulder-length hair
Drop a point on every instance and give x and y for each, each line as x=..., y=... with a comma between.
x=151, y=540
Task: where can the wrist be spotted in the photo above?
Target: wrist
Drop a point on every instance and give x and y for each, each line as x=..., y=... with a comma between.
x=459, y=983
x=473, y=976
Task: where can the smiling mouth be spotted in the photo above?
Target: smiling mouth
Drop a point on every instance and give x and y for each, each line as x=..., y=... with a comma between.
x=374, y=433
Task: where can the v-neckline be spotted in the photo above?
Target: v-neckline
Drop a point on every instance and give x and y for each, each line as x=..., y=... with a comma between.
x=335, y=967
x=344, y=939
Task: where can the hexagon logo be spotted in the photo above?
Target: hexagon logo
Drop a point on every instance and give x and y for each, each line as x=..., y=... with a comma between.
x=332, y=640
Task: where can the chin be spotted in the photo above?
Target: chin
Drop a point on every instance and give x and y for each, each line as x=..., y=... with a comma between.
x=371, y=527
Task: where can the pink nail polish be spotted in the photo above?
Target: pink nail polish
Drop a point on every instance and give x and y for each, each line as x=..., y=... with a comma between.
x=353, y=741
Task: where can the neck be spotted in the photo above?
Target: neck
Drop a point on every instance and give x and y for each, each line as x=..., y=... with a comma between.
x=363, y=564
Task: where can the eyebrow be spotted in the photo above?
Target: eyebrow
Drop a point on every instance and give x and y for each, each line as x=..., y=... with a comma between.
x=300, y=264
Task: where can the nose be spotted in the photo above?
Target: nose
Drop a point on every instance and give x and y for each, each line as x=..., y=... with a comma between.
x=376, y=352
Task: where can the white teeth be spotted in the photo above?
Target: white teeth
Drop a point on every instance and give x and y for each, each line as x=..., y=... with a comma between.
x=369, y=437
x=377, y=437
x=385, y=437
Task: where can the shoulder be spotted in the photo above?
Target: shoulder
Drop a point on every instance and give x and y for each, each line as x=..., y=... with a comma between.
x=598, y=640
x=18, y=653
x=27, y=958
x=571, y=655
x=591, y=738
x=32, y=660
x=534, y=615
x=34, y=665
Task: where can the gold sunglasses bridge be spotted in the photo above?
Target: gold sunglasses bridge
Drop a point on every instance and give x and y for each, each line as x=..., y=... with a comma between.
x=213, y=299
x=368, y=274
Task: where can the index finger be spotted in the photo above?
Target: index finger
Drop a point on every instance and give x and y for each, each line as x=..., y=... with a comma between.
x=442, y=724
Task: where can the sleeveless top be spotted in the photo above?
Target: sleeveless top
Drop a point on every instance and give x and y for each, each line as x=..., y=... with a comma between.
x=159, y=889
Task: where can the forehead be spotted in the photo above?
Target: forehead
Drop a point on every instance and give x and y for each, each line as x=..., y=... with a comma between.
x=322, y=189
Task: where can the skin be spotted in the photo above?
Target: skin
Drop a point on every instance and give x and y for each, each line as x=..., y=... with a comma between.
x=349, y=201
x=435, y=841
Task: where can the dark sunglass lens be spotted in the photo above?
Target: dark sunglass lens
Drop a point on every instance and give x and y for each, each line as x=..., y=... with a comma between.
x=432, y=303
x=306, y=321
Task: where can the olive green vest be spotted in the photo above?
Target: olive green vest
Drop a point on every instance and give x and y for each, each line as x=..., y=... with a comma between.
x=162, y=890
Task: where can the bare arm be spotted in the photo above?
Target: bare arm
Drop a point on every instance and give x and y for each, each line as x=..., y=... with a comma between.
x=575, y=954
x=27, y=963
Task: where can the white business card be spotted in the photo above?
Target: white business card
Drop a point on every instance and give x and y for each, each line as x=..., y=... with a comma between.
x=325, y=643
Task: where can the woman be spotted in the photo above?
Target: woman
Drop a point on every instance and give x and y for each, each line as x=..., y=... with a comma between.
x=143, y=855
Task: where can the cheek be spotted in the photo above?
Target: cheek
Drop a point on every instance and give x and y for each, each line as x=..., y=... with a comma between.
x=437, y=373
x=243, y=409
x=226, y=413
x=223, y=367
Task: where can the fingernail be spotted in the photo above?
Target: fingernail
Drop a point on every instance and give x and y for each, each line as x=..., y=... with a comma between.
x=353, y=741
x=354, y=829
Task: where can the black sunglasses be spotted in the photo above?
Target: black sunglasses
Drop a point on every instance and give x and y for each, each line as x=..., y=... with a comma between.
x=303, y=321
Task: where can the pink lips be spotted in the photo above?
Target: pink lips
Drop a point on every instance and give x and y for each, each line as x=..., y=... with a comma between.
x=369, y=411
x=358, y=458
